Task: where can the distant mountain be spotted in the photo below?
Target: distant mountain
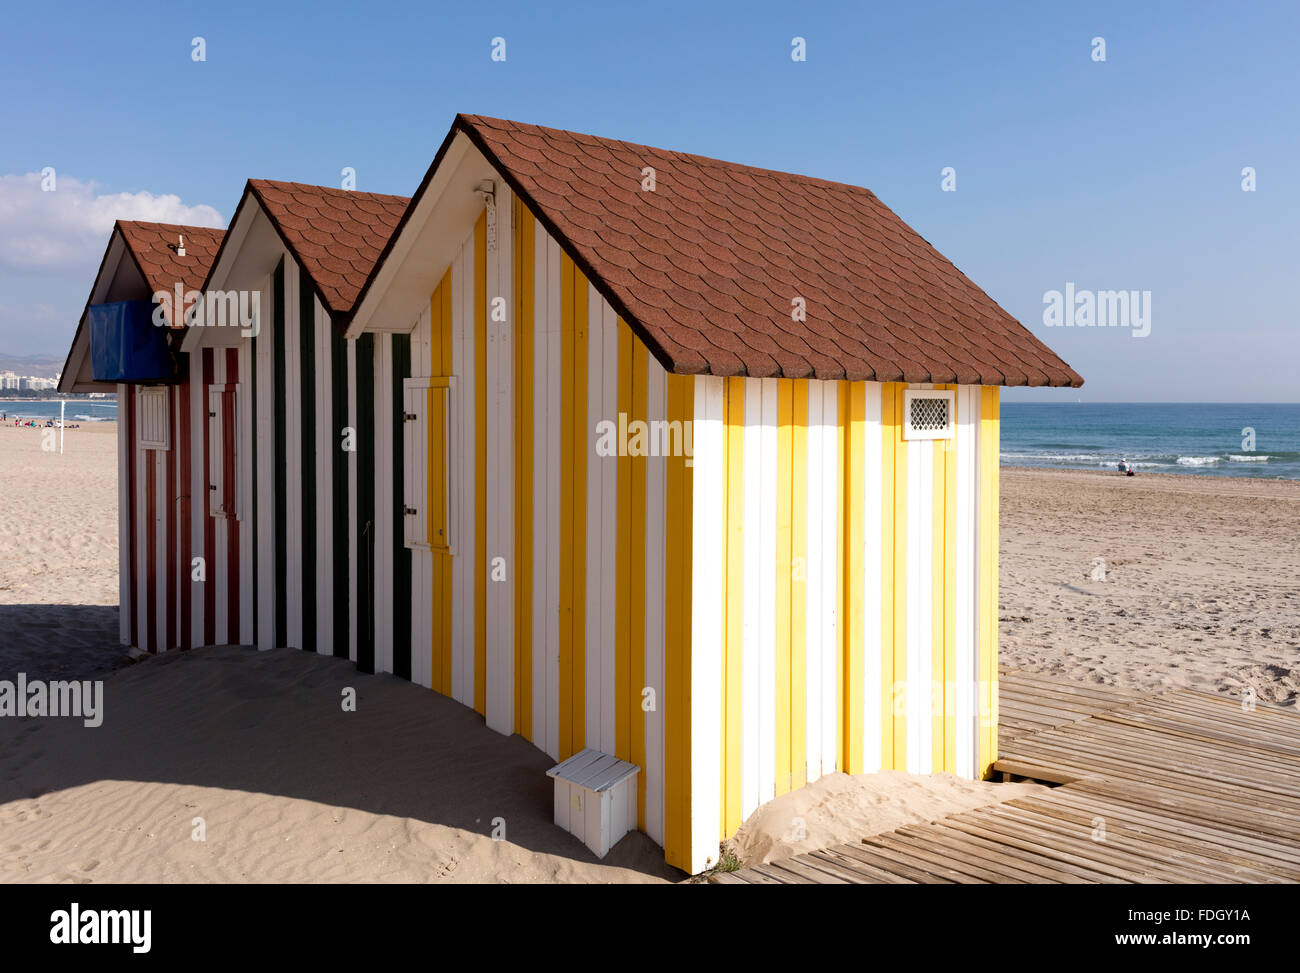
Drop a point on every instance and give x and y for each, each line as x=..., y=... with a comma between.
x=41, y=366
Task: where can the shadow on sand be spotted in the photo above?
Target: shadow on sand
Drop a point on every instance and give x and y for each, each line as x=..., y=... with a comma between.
x=272, y=722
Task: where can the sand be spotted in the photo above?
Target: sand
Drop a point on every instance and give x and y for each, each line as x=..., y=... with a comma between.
x=843, y=808
x=1201, y=591
x=1202, y=584
x=58, y=551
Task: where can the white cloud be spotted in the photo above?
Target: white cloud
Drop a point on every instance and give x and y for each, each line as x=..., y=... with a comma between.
x=69, y=227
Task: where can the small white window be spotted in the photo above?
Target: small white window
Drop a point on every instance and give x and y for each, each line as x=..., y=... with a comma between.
x=927, y=414
x=153, y=428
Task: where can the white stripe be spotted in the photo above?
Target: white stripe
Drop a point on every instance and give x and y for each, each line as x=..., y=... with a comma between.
x=293, y=455
x=598, y=705
x=815, y=472
x=752, y=618
x=500, y=662
x=872, y=653
x=324, y=482
x=221, y=553
x=608, y=580
x=655, y=517
x=198, y=490
x=383, y=528
x=554, y=377
x=767, y=592
x=541, y=510
x=123, y=522
x=830, y=613
x=244, y=489
x=709, y=511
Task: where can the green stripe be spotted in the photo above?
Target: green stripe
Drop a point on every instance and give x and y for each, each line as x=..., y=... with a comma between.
x=365, y=522
x=307, y=432
x=281, y=487
x=401, y=553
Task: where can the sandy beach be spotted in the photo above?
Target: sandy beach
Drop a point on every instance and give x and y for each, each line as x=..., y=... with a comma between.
x=1200, y=591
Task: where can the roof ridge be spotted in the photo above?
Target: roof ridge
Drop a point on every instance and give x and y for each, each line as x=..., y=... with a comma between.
x=712, y=161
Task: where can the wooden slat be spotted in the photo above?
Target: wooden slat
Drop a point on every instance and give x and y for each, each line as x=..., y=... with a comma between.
x=1191, y=788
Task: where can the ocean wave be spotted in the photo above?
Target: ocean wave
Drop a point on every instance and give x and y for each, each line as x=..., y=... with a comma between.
x=1254, y=458
x=1198, y=460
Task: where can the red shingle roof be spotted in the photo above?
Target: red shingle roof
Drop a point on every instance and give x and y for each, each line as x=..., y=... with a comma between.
x=705, y=267
x=153, y=246
x=335, y=234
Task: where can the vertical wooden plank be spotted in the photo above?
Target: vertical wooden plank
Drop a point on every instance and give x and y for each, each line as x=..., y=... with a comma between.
x=798, y=583
x=623, y=567
x=637, y=560
x=479, y=694
x=524, y=259
x=677, y=634
x=307, y=439
x=784, y=576
x=854, y=684
x=733, y=742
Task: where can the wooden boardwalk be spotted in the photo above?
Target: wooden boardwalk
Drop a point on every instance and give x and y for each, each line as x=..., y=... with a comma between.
x=1155, y=787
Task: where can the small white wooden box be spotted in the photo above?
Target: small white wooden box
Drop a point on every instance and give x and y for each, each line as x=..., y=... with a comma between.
x=595, y=798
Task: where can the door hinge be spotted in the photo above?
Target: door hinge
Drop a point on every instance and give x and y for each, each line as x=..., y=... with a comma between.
x=409, y=417
x=409, y=511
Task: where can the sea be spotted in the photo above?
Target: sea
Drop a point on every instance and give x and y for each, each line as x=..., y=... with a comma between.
x=1211, y=439
x=77, y=410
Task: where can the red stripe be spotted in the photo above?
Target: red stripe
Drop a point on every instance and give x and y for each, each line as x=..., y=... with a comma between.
x=209, y=533
x=173, y=636
x=186, y=639
x=151, y=549
x=132, y=515
x=228, y=469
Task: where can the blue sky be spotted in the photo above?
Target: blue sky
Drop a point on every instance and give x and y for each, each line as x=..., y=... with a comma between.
x=1123, y=174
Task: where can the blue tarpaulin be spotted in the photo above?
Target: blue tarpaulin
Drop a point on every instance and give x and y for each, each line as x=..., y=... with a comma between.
x=125, y=345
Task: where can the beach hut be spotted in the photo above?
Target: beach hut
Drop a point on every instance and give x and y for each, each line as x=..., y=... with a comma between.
x=154, y=455
x=274, y=408
x=690, y=463
x=683, y=462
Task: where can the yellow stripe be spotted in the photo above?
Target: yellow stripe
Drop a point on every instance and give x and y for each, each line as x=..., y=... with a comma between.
x=988, y=580
x=950, y=700
x=677, y=634
x=480, y=464
x=523, y=270
x=637, y=614
x=623, y=589
x=842, y=591
x=856, y=465
x=440, y=326
x=784, y=438
x=799, y=586
x=733, y=586
x=567, y=449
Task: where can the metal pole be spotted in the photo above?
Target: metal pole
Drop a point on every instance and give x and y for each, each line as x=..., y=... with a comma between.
x=62, y=404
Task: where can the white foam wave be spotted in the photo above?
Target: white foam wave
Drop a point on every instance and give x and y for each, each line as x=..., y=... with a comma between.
x=1197, y=460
